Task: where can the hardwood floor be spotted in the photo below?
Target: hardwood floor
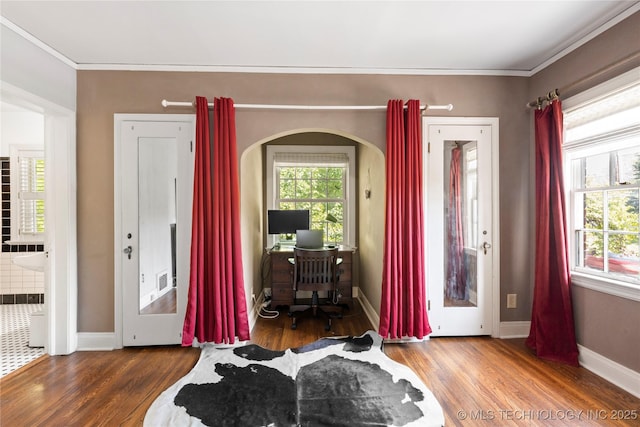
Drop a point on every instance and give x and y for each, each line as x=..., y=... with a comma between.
x=478, y=381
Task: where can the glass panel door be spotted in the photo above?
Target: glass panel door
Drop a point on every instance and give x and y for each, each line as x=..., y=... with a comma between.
x=459, y=229
x=156, y=187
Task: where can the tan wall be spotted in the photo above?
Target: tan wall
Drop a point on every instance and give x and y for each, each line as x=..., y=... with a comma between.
x=608, y=325
x=251, y=208
x=103, y=93
x=602, y=321
x=370, y=218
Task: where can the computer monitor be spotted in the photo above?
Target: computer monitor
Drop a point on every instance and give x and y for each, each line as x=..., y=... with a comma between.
x=309, y=239
x=287, y=221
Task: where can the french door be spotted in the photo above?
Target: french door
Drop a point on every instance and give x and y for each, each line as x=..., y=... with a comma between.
x=154, y=231
x=461, y=226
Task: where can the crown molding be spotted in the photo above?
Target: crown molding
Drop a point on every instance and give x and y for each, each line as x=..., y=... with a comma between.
x=37, y=42
x=299, y=70
x=592, y=35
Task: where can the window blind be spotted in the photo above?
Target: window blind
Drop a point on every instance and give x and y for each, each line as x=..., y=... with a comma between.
x=282, y=158
x=31, y=192
x=614, y=112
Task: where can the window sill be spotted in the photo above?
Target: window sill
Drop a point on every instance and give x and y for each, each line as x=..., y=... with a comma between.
x=607, y=286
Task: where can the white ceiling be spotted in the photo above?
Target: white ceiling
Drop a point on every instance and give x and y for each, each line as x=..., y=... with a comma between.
x=407, y=37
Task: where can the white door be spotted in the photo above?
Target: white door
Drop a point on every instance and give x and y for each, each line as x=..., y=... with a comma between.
x=461, y=228
x=156, y=167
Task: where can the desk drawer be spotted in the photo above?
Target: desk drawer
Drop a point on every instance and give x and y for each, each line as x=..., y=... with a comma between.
x=281, y=296
x=279, y=258
x=281, y=275
x=345, y=272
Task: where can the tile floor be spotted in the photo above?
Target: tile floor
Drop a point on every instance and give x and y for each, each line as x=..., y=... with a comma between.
x=14, y=349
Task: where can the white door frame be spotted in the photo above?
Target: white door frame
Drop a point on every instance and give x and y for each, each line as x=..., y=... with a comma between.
x=495, y=185
x=61, y=268
x=118, y=120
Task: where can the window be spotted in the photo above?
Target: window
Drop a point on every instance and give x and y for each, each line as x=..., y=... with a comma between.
x=319, y=179
x=602, y=175
x=27, y=194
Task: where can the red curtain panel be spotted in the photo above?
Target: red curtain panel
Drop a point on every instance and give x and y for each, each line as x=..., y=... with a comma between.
x=216, y=306
x=403, y=304
x=552, y=334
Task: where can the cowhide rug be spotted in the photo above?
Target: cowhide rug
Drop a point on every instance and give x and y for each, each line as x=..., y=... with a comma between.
x=332, y=382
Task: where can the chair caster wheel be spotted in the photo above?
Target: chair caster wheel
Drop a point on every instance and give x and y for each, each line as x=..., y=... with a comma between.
x=294, y=326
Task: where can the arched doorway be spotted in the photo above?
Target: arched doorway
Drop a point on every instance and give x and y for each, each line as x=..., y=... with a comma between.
x=369, y=218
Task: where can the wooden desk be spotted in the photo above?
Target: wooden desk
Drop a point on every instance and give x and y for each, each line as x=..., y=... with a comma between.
x=282, y=270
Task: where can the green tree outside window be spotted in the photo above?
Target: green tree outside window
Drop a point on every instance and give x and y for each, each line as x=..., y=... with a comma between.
x=319, y=189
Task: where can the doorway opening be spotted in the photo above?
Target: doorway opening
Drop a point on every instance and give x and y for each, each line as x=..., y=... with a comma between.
x=59, y=240
x=368, y=224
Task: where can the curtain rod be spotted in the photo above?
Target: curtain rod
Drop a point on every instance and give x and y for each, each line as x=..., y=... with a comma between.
x=166, y=104
x=570, y=88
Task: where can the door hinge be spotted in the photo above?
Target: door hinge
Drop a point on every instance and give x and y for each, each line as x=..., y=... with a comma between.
x=428, y=147
x=191, y=146
x=428, y=304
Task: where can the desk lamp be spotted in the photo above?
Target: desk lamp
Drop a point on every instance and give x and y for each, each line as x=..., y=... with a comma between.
x=332, y=219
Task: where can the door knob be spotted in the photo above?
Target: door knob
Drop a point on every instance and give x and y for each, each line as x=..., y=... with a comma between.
x=129, y=249
x=485, y=246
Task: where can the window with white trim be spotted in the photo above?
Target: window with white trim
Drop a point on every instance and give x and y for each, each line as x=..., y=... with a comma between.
x=27, y=194
x=317, y=178
x=602, y=176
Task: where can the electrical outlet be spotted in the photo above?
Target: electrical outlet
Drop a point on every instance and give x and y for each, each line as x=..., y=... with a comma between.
x=512, y=300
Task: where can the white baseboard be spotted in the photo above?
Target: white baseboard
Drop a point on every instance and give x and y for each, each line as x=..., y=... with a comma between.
x=253, y=313
x=611, y=371
x=96, y=341
x=369, y=311
x=105, y=341
x=519, y=329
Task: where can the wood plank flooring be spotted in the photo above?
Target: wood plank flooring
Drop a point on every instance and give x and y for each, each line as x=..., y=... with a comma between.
x=478, y=381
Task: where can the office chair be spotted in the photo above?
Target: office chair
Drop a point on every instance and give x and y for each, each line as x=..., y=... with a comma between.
x=315, y=270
